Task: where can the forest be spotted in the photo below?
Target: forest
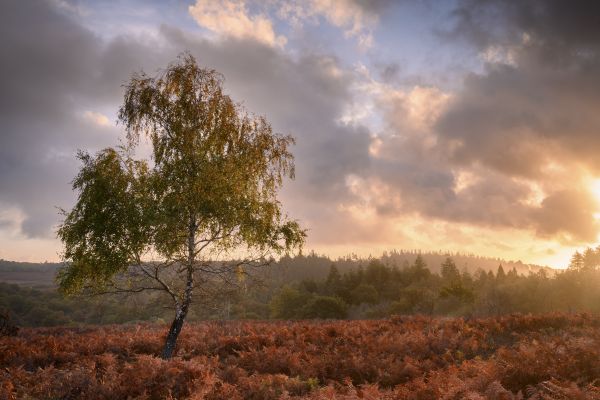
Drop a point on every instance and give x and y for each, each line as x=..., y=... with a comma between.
x=312, y=286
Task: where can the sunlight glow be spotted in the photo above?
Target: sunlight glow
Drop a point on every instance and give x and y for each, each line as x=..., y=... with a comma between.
x=594, y=188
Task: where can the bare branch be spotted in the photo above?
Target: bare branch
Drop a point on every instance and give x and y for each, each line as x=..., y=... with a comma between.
x=163, y=284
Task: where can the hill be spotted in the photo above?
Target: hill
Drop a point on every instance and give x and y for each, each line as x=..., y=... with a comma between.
x=39, y=275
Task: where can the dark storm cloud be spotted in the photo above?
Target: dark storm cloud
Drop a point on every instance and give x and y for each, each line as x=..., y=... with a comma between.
x=58, y=70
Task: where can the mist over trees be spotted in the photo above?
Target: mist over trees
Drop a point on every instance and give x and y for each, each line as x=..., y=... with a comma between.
x=379, y=290
x=312, y=286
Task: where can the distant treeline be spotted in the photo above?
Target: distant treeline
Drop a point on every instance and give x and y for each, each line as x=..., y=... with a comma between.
x=18, y=266
x=380, y=290
x=28, y=274
x=314, y=266
x=313, y=286
x=292, y=269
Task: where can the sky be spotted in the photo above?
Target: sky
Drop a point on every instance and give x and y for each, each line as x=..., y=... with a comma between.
x=464, y=125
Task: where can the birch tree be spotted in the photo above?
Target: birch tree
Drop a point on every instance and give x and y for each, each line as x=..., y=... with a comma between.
x=188, y=221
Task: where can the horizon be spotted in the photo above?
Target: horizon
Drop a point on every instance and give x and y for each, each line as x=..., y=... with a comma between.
x=462, y=125
x=352, y=256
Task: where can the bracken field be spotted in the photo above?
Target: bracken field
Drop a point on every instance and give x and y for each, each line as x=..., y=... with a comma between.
x=553, y=356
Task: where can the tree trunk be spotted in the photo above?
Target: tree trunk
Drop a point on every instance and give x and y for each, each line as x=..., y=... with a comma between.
x=176, y=326
x=187, y=295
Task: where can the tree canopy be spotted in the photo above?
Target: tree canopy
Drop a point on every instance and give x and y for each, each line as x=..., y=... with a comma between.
x=207, y=195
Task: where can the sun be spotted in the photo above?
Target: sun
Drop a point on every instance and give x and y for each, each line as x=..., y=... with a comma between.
x=594, y=188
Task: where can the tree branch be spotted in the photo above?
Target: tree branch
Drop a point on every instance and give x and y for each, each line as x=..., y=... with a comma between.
x=163, y=284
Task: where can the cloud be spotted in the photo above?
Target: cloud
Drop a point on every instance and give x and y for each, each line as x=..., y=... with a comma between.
x=545, y=103
x=356, y=18
x=10, y=219
x=303, y=96
x=48, y=67
x=570, y=212
x=508, y=150
x=349, y=15
x=379, y=163
x=413, y=111
x=231, y=18
x=96, y=118
x=52, y=97
x=530, y=115
x=57, y=72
